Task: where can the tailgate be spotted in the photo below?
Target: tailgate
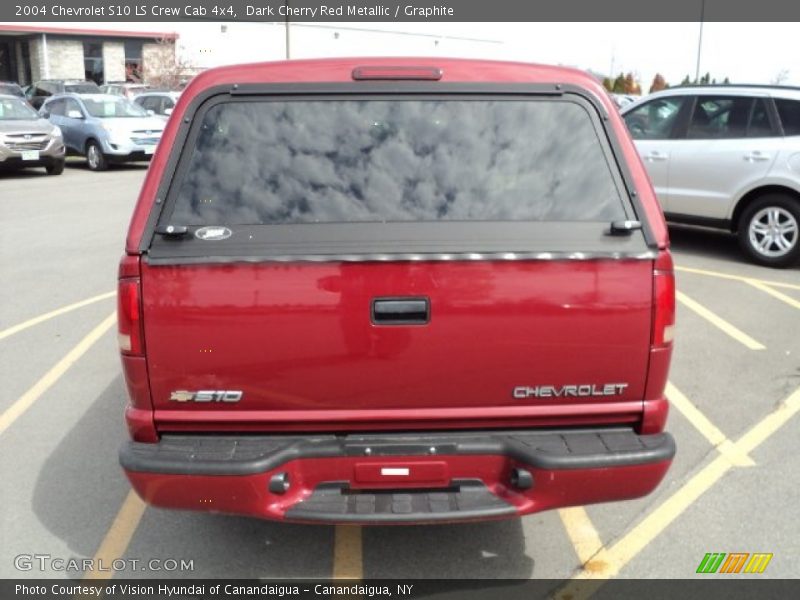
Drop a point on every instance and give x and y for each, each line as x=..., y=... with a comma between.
x=517, y=335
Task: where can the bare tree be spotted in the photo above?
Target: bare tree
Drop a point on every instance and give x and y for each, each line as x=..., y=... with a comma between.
x=780, y=77
x=164, y=68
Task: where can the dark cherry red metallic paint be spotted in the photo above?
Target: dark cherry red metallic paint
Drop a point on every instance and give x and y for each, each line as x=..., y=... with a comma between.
x=298, y=341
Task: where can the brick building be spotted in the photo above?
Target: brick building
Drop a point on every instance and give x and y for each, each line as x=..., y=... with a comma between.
x=31, y=53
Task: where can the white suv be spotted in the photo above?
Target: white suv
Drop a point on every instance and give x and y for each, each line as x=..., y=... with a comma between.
x=726, y=156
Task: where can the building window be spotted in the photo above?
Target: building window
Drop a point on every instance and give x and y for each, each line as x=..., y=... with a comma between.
x=133, y=61
x=25, y=47
x=93, y=62
x=7, y=67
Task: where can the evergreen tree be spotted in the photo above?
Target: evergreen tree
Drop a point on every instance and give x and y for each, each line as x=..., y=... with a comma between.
x=619, y=84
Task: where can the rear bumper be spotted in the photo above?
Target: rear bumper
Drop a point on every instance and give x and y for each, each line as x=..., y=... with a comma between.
x=397, y=478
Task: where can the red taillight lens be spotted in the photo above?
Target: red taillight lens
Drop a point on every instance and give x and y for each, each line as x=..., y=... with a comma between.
x=129, y=322
x=664, y=301
x=129, y=312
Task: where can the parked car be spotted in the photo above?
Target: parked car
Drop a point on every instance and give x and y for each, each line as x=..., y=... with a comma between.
x=11, y=88
x=105, y=129
x=623, y=99
x=41, y=90
x=159, y=104
x=395, y=291
x=26, y=139
x=124, y=88
x=726, y=157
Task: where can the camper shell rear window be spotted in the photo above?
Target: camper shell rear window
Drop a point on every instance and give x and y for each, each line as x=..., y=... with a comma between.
x=438, y=173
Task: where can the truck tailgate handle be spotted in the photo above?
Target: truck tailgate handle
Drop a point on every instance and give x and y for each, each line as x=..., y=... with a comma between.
x=401, y=311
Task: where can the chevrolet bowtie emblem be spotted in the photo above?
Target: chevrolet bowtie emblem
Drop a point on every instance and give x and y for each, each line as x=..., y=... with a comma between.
x=181, y=396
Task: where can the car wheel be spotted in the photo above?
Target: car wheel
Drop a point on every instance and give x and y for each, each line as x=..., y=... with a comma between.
x=57, y=168
x=769, y=230
x=95, y=158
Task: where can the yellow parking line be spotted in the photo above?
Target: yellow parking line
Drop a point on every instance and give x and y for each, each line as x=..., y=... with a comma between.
x=54, y=313
x=581, y=532
x=771, y=423
x=775, y=294
x=609, y=561
x=709, y=431
x=119, y=535
x=719, y=322
x=719, y=275
x=24, y=402
x=347, y=552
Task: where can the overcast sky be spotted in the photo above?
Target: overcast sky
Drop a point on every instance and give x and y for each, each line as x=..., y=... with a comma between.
x=745, y=52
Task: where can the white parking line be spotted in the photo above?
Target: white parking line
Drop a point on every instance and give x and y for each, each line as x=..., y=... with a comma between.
x=719, y=322
x=709, y=431
x=54, y=313
x=775, y=294
x=24, y=402
x=791, y=286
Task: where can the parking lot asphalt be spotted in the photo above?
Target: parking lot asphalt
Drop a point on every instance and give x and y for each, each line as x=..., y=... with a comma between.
x=735, y=386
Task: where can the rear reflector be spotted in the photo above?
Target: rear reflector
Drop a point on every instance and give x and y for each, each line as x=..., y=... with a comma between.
x=663, y=301
x=397, y=73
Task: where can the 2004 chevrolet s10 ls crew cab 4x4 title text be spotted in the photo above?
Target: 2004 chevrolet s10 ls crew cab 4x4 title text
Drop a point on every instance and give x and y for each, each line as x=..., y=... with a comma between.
x=395, y=291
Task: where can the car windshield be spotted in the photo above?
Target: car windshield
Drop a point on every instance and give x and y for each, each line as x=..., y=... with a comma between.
x=112, y=108
x=81, y=88
x=12, y=109
x=11, y=88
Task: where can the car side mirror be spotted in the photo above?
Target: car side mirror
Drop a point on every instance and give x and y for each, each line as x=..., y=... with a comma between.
x=74, y=114
x=168, y=111
x=150, y=112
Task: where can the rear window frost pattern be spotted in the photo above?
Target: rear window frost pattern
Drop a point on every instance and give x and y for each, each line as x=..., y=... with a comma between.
x=396, y=161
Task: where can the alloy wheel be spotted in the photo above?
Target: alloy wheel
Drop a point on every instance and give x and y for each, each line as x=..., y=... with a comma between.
x=773, y=231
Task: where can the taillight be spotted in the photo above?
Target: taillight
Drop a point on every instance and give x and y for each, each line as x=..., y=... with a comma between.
x=664, y=301
x=129, y=313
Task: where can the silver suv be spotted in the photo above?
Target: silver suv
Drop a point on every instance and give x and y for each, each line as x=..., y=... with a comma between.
x=729, y=157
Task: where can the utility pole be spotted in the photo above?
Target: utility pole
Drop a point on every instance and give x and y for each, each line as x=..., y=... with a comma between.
x=613, y=60
x=700, y=41
x=288, y=47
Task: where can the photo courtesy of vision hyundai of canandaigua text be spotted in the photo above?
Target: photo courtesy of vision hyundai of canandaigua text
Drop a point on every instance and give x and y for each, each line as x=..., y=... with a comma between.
x=395, y=291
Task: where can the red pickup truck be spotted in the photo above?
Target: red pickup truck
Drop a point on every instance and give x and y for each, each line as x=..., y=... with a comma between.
x=395, y=291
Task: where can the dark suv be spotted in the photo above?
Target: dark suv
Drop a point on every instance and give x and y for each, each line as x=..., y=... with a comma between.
x=41, y=90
